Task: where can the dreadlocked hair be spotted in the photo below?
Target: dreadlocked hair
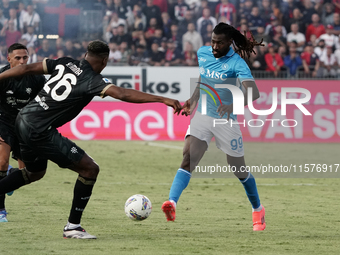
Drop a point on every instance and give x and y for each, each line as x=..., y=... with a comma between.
x=242, y=45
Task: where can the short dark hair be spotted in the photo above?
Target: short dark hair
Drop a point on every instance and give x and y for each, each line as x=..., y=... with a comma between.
x=16, y=46
x=98, y=49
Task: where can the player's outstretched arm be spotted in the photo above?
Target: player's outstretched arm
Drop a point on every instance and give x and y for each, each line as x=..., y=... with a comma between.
x=190, y=105
x=134, y=96
x=35, y=68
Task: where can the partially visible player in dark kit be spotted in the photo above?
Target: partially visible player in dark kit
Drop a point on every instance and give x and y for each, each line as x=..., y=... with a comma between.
x=15, y=93
x=71, y=87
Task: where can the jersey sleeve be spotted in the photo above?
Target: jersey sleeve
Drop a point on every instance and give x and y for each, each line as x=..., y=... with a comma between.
x=242, y=71
x=99, y=86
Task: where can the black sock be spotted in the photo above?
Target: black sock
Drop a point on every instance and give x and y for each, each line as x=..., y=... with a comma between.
x=81, y=195
x=14, y=180
x=3, y=174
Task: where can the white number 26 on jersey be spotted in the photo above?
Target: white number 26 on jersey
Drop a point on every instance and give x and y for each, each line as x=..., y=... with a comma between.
x=63, y=81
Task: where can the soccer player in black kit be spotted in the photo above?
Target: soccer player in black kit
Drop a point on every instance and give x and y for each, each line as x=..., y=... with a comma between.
x=71, y=87
x=15, y=93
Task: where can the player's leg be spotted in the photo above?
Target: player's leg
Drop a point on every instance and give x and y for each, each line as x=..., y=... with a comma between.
x=17, y=178
x=197, y=140
x=246, y=178
x=21, y=165
x=8, y=142
x=36, y=148
x=229, y=140
x=249, y=184
x=193, y=151
x=88, y=171
x=37, y=167
x=5, y=151
x=16, y=155
x=8, y=171
x=67, y=154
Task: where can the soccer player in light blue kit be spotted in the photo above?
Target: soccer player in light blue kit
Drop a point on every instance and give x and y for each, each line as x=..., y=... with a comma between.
x=217, y=63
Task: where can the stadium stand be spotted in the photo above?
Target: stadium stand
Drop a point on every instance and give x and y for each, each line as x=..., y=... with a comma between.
x=291, y=31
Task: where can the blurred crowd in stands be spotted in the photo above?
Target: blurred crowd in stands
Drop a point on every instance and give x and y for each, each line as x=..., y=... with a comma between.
x=300, y=37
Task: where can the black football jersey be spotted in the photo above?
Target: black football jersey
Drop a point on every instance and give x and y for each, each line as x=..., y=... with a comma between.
x=16, y=92
x=72, y=85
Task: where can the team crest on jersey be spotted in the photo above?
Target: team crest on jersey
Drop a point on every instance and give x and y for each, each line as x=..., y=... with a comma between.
x=28, y=90
x=107, y=80
x=225, y=66
x=202, y=71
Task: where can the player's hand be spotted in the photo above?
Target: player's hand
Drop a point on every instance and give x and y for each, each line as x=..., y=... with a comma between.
x=223, y=109
x=174, y=104
x=188, y=107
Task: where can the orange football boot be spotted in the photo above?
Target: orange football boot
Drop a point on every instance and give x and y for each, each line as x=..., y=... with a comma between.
x=259, y=223
x=169, y=208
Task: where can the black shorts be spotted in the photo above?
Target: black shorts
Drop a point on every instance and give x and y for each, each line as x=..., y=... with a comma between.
x=36, y=148
x=7, y=133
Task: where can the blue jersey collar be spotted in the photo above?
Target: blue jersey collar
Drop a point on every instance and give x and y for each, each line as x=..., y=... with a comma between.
x=231, y=52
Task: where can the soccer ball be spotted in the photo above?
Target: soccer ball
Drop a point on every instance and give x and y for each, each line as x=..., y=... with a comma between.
x=138, y=207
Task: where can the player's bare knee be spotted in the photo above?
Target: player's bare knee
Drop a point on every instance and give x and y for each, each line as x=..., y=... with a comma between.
x=95, y=170
x=4, y=164
x=91, y=172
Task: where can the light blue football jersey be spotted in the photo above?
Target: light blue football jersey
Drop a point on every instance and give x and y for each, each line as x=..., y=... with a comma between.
x=229, y=69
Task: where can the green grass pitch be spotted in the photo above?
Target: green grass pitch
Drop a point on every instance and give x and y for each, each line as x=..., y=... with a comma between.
x=213, y=215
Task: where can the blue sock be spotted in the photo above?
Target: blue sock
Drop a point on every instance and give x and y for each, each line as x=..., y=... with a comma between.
x=249, y=185
x=180, y=182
